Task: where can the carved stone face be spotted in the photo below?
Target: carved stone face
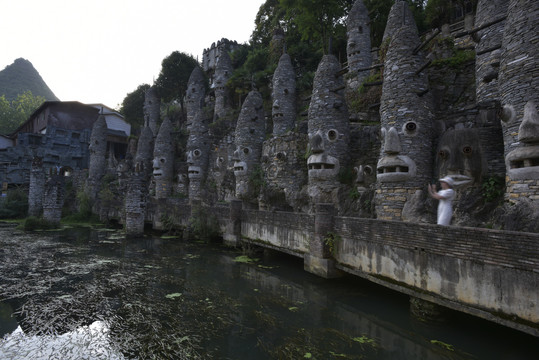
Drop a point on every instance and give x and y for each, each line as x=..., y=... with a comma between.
x=394, y=166
x=324, y=164
x=160, y=167
x=459, y=156
x=522, y=163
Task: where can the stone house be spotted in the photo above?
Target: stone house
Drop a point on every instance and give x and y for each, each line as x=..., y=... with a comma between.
x=59, y=133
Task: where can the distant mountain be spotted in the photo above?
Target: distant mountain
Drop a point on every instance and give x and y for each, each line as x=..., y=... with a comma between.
x=21, y=76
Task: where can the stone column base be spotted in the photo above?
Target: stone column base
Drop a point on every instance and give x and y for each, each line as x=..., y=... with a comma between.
x=322, y=267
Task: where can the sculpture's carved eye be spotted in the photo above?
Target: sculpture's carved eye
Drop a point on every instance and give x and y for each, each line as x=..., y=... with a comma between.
x=281, y=156
x=332, y=135
x=443, y=154
x=246, y=151
x=410, y=127
x=197, y=153
x=220, y=159
x=286, y=91
x=467, y=150
x=162, y=160
x=367, y=170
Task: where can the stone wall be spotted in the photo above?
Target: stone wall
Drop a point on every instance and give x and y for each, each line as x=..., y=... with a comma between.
x=477, y=268
x=289, y=231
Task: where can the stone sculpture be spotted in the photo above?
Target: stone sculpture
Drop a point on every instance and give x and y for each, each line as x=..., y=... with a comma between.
x=405, y=165
x=98, y=152
x=358, y=47
x=329, y=132
x=250, y=134
x=223, y=71
x=284, y=96
x=163, y=160
x=144, y=154
x=194, y=97
x=198, y=153
x=152, y=109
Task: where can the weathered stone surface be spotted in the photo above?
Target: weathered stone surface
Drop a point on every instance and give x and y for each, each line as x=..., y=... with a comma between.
x=163, y=160
x=358, y=47
x=406, y=115
x=143, y=157
x=250, y=135
x=284, y=96
x=198, y=155
x=152, y=109
x=487, y=63
x=196, y=91
x=329, y=131
x=223, y=72
x=36, y=188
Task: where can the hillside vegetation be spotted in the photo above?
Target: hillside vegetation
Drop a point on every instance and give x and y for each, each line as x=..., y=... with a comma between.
x=20, y=77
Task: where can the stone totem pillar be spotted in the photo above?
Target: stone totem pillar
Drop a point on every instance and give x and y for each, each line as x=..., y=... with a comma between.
x=223, y=71
x=144, y=154
x=519, y=90
x=98, y=152
x=487, y=60
x=163, y=160
x=198, y=155
x=135, y=203
x=250, y=135
x=53, y=198
x=405, y=165
x=36, y=187
x=319, y=259
x=358, y=48
x=284, y=96
x=194, y=98
x=329, y=132
x=152, y=109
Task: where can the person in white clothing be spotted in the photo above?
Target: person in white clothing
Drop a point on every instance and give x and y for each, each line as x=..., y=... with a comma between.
x=445, y=196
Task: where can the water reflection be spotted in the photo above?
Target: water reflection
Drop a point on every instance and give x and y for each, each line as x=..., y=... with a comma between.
x=82, y=290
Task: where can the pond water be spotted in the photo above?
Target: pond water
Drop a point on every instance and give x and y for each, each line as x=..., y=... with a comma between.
x=92, y=294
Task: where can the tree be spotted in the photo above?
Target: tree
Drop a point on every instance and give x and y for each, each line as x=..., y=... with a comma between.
x=14, y=113
x=175, y=72
x=318, y=20
x=132, y=107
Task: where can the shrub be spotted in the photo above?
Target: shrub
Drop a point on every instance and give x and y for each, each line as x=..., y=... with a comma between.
x=14, y=205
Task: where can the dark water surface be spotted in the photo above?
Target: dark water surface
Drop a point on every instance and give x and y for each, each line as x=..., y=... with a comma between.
x=92, y=294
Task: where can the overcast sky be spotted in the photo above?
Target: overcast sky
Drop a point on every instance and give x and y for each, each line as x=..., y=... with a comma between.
x=97, y=51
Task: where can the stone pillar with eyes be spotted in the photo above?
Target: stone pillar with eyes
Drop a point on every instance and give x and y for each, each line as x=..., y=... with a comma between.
x=249, y=137
x=152, y=108
x=144, y=154
x=284, y=96
x=519, y=89
x=198, y=152
x=358, y=47
x=329, y=132
x=459, y=156
x=163, y=160
x=194, y=97
x=223, y=72
x=404, y=168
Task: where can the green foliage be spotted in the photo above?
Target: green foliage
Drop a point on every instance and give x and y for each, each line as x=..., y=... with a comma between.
x=174, y=76
x=14, y=113
x=331, y=240
x=492, y=188
x=457, y=61
x=133, y=107
x=256, y=180
x=84, y=214
x=14, y=205
x=354, y=194
x=443, y=345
